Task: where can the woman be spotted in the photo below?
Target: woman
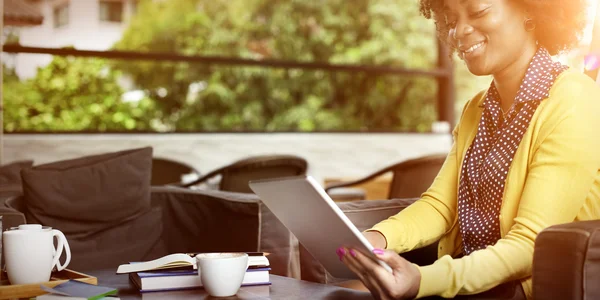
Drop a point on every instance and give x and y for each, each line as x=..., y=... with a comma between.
x=526, y=156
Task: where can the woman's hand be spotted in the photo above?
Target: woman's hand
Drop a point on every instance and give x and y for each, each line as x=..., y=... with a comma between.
x=402, y=283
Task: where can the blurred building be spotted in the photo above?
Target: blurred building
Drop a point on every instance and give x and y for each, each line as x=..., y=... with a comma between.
x=21, y=13
x=83, y=24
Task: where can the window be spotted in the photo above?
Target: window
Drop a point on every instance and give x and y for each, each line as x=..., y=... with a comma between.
x=111, y=11
x=61, y=15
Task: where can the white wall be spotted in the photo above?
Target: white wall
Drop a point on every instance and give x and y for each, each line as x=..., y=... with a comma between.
x=84, y=31
x=328, y=154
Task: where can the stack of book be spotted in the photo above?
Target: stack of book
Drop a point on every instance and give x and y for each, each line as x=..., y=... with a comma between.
x=176, y=272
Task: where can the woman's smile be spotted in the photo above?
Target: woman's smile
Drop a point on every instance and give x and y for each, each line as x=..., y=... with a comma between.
x=471, y=51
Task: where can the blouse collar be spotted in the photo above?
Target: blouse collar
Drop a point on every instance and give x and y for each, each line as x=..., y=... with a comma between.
x=536, y=84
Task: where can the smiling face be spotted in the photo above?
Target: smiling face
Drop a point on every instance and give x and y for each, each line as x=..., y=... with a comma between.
x=489, y=35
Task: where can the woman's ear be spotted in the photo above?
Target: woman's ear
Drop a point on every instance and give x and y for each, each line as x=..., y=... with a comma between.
x=529, y=24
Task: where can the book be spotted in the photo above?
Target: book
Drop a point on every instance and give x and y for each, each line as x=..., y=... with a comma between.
x=74, y=289
x=183, y=261
x=245, y=292
x=189, y=279
x=61, y=297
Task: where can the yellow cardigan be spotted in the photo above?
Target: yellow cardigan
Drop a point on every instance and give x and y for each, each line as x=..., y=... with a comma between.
x=554, y=178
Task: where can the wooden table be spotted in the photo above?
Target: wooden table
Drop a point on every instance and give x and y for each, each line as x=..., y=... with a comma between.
x=281, y=288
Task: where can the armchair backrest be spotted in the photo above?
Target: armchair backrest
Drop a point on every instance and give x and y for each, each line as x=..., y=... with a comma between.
x=166, y=171
x=566, y=262
x=217, y=221
x=410, y=178
x=413, y=177
x=235, y=177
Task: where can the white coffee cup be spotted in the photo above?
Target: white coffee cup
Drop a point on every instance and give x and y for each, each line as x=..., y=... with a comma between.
x=30, y=254
x=222, y=274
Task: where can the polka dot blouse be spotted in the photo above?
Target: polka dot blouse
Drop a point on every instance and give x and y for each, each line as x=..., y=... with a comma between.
x=489, y=157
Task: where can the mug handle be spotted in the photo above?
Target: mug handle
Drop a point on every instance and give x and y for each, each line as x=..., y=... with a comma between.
x=62, y=242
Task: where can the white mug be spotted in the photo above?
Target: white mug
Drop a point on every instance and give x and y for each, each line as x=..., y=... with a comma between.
x=222, y=274
x=30, y=254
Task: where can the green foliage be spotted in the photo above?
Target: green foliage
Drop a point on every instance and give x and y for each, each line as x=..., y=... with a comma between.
x=84, y=94
x=72, y=95
x=366, y=32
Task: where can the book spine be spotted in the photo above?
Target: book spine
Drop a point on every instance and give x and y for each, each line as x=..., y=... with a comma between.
x=197, y=288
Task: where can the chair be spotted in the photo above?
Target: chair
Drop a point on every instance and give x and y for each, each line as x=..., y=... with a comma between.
x=410, y=177
x=235, y=177
x=166, y=171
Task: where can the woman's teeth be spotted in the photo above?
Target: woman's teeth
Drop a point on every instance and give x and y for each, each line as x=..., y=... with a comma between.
x=473, y=48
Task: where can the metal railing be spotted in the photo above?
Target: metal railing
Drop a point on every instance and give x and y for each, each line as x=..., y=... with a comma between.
x=443, y=73
x=228, y=61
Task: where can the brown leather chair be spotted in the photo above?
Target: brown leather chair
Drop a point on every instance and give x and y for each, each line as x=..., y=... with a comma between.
x=566, y=262
x=410, y=177
x=235, y=177
x=166, y=171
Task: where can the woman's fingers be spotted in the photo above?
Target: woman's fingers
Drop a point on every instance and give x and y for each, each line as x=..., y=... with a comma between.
x=385, y=280
x=407, y=277
x=353, y=259
x=403, y=282
x=391, y=258
x=350, y=260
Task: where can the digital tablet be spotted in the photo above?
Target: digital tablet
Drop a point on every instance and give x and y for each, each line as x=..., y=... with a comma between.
x=302, y=205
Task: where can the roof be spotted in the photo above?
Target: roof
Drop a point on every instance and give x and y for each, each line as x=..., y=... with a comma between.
x=21, y=13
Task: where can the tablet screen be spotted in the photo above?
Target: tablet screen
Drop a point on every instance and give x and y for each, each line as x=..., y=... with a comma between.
x=304, y=207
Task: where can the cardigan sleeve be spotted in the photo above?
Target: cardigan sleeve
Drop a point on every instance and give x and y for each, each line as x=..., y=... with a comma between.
x=425, y=221
x=561, y=173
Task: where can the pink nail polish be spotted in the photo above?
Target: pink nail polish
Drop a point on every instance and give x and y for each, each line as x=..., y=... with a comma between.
x=340, y=252
x=378, y=251
x=353, y=253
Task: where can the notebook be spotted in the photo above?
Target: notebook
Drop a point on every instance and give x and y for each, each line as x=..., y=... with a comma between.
x=77, y=290
x=189, y=279
x=183, y=261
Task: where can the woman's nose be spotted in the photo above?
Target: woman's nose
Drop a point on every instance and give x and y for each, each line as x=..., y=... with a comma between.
x=461, y=30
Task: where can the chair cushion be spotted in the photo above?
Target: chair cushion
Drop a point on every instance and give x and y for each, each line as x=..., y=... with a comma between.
x=102, y=205
x=89, y=194
x=10, y=174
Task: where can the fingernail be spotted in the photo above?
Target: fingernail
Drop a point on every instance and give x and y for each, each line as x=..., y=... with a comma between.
x=378, y=251
x=340, y=252
x=353, y=253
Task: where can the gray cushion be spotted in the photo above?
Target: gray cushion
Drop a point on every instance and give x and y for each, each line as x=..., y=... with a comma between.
x=102, y=205
x=90, y=193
